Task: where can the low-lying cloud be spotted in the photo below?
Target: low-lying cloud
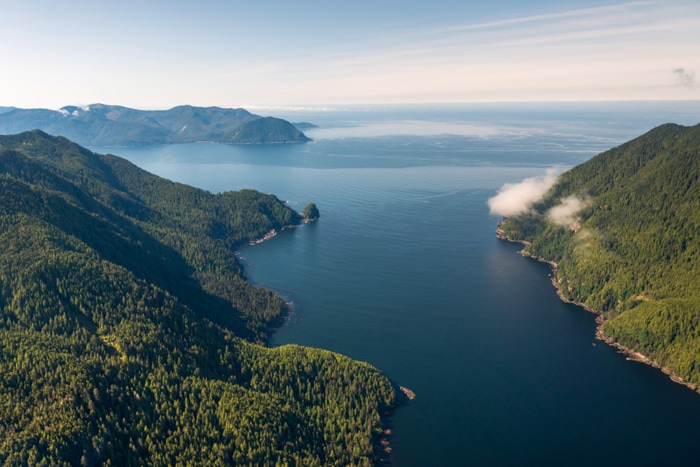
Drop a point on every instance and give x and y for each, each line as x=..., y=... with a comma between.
x=565, y=213
x=517, y=198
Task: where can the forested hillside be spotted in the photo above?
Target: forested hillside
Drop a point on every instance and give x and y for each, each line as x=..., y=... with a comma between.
x=127, y=329
x=632, y=252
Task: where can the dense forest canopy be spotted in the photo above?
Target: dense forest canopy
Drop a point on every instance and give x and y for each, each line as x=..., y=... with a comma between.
x=128, y=331
x=632, y=251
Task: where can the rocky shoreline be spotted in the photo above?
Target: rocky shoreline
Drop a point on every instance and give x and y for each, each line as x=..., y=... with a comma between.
x=267, y=236
x=410, y=394
x=273, y=233
x=382, y=443
x=629, y=353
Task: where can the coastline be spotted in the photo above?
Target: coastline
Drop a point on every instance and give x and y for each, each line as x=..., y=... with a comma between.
x=381, y=442
x=273, y=233
x=267, y=236
x=630, y=354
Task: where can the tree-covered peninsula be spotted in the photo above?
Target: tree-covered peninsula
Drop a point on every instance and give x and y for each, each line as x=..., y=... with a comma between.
x=631, y=248
x=129, y=335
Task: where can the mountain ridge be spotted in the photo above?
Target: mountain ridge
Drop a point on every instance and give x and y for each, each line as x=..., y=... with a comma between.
x=114, y=125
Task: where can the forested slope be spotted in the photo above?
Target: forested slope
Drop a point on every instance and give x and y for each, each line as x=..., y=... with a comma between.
x=633, y=250
x=267, y=130
x=127, y=328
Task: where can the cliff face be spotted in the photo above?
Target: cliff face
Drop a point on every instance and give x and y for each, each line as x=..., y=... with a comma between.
x=630, y=249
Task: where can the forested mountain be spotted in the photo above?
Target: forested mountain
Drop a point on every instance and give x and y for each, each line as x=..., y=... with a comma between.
x=266, y=131
x=632, y=251
x=127, y=329
x=111, y=125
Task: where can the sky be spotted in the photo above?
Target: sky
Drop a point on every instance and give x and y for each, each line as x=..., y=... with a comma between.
x=153, y=54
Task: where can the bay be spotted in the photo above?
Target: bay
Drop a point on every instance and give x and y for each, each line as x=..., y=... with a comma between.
x=403, y=270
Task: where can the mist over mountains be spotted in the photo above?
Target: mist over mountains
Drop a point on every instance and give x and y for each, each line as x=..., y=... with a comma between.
x=112, y=125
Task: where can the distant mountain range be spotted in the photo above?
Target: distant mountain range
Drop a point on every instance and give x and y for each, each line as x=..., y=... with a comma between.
x=112, y=125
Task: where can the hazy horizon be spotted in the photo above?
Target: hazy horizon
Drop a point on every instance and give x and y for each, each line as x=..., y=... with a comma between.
x=359, y=106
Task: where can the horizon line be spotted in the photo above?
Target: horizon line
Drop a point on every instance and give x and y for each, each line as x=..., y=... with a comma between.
x=329, y=106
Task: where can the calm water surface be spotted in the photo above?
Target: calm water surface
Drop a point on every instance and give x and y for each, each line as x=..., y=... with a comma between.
x=404, y=271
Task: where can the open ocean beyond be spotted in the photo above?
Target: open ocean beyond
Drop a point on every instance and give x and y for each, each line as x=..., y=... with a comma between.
x=404, y=271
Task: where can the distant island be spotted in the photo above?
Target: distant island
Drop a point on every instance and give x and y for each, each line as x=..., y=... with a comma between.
x=113, y=125
x=622, y=231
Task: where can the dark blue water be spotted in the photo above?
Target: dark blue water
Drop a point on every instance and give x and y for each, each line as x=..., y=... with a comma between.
x=404, y=271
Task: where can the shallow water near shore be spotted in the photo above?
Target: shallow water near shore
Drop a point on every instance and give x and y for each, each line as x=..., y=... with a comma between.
x=404, y=271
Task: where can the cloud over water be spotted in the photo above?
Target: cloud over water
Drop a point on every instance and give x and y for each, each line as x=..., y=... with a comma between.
x=517, y=198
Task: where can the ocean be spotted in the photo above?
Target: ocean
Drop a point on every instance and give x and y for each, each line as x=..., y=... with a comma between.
x=403, y=270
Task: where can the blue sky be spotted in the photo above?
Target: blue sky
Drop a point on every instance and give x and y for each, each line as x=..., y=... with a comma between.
x=158, y=54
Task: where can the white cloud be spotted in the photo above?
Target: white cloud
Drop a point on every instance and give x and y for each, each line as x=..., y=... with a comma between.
x=565, y=213
x=513, y=199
